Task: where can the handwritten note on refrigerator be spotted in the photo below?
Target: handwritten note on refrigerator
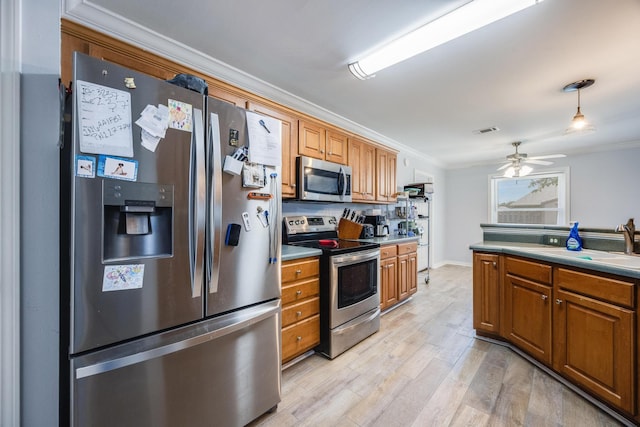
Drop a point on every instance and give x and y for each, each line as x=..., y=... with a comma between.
x=104, y=115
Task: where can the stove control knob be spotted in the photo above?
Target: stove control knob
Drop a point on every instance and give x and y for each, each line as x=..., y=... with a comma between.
x=297, y=222
x=302, y=221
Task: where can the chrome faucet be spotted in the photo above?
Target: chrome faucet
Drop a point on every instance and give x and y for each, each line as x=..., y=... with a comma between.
x=629, y=230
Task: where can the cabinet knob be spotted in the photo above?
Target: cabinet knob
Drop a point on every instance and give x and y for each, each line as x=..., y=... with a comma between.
x=298, y=292
x=495, y=264
x=544, y=297
x=558, y=301
x=298, y=313
x=298, y=271
x=322, y=151
x=298, y=338
x=293, y=186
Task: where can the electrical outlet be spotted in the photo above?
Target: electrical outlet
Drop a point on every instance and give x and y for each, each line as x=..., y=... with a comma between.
x=553, y=240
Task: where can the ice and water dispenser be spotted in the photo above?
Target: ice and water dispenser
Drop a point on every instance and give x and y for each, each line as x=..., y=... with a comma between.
x=137, y=221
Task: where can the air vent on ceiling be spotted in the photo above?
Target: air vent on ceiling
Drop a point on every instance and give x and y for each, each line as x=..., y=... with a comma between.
x=487, y=130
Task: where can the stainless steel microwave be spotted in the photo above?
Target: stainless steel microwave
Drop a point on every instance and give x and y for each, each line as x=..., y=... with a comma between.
x=322, y=181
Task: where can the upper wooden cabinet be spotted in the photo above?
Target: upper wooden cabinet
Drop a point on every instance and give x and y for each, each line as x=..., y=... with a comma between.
x=227, y=95
x=386, y=165
x=315, y=140
x=289, y=144
x=362, y=159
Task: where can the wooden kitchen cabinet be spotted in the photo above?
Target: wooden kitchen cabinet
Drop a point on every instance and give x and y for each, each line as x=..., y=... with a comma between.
x=315, y=140
x=594, y=337
x=407, y=270
x=486, y=292
x=289, y=145
x=300, y=306
x=362, y=159
x=527, y=318
x=388, y=276
x=386, y=166
x=398, y=273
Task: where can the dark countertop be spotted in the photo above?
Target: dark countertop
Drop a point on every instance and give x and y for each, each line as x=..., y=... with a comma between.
x=605, y=262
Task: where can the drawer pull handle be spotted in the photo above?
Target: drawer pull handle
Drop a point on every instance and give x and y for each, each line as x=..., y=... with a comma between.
x=558, y=301
x=544, y=297
x=298, y=338
x=298, y=313
x=298, y=292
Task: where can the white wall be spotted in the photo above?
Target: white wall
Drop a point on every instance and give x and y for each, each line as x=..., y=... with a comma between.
x=603, y=193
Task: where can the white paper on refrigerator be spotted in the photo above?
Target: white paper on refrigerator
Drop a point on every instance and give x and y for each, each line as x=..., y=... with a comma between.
x=265, y=139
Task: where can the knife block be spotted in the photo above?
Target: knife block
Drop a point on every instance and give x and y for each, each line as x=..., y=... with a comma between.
x=349, y=229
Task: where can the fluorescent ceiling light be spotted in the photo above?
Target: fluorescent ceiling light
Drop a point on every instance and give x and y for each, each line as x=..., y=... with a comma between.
x=471, y=16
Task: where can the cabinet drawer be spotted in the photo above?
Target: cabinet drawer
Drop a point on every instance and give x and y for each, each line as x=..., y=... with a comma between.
x=388, y=251
x=405, y=248
x=300, y=337
x=297, y=291
x=299, y=311
x=540, y=273
x=300, y=269
x=602, y=288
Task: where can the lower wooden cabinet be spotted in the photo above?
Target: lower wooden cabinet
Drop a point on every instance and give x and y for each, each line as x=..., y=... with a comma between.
x=527, y=307
x=398, y=273
x=486, y=292
x=595, y=341
x=300, y=306
x=583, y=325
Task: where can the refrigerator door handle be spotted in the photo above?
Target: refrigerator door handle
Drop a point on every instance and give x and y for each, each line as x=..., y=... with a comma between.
x=226, y=325
x=198, y=205
x=215, y=204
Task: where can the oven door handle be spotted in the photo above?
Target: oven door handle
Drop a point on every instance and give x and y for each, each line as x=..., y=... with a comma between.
x=355, y=257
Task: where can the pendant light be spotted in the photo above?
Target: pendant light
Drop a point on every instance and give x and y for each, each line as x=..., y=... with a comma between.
x=579, y=123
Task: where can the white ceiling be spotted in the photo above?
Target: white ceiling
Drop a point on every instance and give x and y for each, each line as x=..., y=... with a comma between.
x=509, y=74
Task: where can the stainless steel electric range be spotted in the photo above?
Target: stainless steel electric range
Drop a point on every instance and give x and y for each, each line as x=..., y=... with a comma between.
x=349, y=281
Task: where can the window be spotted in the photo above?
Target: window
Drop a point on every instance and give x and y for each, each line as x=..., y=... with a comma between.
x=540, y=198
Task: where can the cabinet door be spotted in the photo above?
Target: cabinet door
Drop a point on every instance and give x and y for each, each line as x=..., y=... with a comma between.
x=403, y=277
x=362, y=159
x=412, y=276
x=388, y=282
x=486, y=292
x=289, y=145
x=528, y=310
x=594, y=347
x=336, y=147
x=311, y=139
x=392, y=168
x=226, y=95
x=382, y=167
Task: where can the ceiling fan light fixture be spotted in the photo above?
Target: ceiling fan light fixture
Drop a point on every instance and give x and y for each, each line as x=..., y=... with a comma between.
x=517, y=171
x=465, y=19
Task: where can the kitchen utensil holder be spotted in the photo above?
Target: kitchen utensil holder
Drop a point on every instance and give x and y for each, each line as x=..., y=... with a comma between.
x=349, y=229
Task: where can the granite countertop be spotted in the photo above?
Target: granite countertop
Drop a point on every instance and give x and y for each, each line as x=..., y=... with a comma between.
x=390, y=240
x=605, y=262
x=290, y=252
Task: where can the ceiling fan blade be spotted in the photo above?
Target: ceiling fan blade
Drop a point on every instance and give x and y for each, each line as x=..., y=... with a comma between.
x=506, y=165
x=550, y=156
x=538, y=162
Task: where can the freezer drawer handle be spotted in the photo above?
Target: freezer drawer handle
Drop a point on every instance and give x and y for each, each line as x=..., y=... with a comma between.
x=270, y=309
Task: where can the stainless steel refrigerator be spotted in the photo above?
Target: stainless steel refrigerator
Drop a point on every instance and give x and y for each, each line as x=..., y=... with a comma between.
x=170, y=283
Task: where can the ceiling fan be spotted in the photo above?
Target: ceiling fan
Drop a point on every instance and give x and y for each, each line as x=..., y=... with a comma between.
x=516, y=165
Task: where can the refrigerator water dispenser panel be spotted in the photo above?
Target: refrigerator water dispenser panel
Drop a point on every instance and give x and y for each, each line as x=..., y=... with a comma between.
x=137, y=220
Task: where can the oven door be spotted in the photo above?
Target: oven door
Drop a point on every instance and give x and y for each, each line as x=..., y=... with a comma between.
x=323, y=181
x=354, y=284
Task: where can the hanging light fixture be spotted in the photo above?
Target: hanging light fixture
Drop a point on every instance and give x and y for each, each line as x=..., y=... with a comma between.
x=473, y=15
x=579, y=123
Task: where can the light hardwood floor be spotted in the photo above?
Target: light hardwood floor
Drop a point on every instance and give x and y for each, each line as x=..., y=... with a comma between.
x=425, y=368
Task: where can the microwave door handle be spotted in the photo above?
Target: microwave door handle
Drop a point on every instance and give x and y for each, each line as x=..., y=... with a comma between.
x=197, y=204
x=215, y=205
x=342, y=188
